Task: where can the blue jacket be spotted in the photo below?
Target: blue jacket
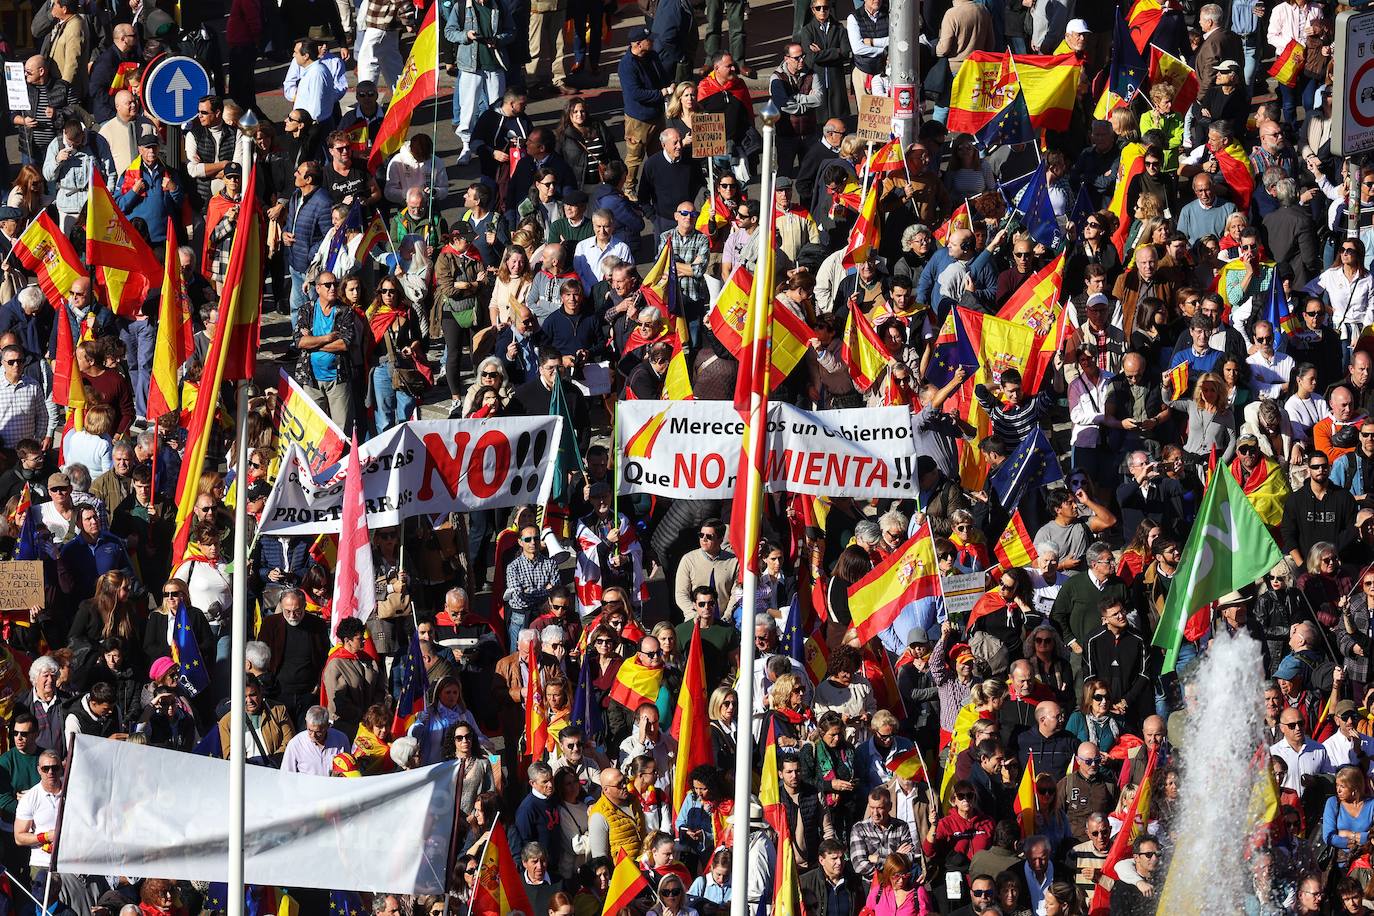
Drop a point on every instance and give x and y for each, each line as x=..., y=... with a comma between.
x=983, y=271
x=309, y=220
x=537, y=821
x=34, y=333
x=154, y=205
x=642, y=82
x=1348, y=472
x=672, y=20
x=88, y=562
x=569, y=333
x=294, y=556
x=870, y=763
x=629, y=220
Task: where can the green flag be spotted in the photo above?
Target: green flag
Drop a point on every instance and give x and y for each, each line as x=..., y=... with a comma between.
x=1227, y=549
x=566, y=457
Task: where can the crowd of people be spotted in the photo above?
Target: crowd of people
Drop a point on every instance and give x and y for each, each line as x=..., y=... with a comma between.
x=520, y=258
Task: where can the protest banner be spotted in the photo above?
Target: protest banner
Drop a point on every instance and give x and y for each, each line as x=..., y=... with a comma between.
x=21, y=587
x=875, y=118
x=149, y=812
x=708, y=134
x=301, y=421
x=690, y=450
x=423, y=467
x=961, y=592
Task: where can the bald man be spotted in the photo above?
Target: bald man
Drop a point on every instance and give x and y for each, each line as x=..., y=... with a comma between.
x=111, y=67
x=124, y=128
x=1052, y=746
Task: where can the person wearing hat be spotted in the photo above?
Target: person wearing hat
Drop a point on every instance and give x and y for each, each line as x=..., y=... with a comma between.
x=1348, y=746
x=573, y=226
x=150, y=191
x=645, y=88
x=1227, y=100
x=221, y=221
x=58, y=515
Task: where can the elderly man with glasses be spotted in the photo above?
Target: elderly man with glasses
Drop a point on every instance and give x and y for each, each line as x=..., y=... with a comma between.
x=1306, y=759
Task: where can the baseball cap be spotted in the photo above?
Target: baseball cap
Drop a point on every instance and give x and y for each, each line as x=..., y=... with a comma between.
x=640, y=34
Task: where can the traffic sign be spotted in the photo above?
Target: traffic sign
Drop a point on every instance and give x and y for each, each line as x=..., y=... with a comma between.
x=173, y=89
x=1352, y=105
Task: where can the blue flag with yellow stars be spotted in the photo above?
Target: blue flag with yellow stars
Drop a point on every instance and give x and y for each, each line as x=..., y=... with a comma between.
x=1033, y=464
x=1082, y=207
x=194, y=677
x=345, y=903
x=953, y=348
x=793, y=637
x=1010, y=125
x=1035, y=207
x=1129, y=70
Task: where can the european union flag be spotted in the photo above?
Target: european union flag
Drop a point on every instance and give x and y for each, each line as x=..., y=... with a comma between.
x=586, y=708
x=345, y=903
x=1010, y=125
x=1033, y=464
x=217, y=895
x=1012, y=187
x=1277, y=310
x=1034, y=204
x=194, y=678
x=413, y=687
x=1082, y=207
x=792, y=636
x=210, y=745
x=951, y=352
x=1129, y=69
x=35, y=543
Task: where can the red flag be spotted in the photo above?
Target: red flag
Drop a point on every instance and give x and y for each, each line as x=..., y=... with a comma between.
x=1121, y=846
x=355, y=592
x=691, y=725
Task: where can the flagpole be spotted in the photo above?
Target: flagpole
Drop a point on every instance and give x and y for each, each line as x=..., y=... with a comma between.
x=744, y=752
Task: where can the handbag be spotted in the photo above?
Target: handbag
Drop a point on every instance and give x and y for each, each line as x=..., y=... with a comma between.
x=404, y=378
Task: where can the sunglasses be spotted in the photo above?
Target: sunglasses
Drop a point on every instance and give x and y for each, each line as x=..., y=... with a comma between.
x=686, y=213
x=981, y=894
x=1099, y=698
x=529, y=540
x=327, y=284
x=56, y=768
x=654, y=654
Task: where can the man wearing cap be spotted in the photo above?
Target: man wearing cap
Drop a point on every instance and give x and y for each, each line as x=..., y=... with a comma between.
x=149, y=191
x=221, y=221
x=573, y=226
x=59, y=513
x=645, y=88
x=1218, y=44
x=1348, y=747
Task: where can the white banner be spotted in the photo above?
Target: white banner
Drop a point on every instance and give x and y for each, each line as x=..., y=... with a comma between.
x=147, y=812
x=690, y=450
x=420, y=468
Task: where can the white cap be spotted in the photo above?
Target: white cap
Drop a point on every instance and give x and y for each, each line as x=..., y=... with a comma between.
x=1077, y=27
x=1097, y=299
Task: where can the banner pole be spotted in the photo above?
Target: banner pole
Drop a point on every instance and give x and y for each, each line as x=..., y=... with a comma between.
x=238, y=622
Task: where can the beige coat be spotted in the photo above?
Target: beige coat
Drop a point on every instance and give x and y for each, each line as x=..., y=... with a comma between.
x=71, y=50
x=351, y=685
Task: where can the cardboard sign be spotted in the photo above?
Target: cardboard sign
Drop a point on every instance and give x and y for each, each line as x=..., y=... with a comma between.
x=708, y=134
x=21, y=584
x=962, y=592
x=875, y=118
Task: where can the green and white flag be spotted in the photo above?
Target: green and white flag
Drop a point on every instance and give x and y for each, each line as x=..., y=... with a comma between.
x=1227, y=549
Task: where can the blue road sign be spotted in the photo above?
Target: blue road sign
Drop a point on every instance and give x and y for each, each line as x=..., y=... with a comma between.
x=173, y=89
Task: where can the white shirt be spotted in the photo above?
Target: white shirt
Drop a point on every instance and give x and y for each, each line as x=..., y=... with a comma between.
x=1309, y=761
x=303, y=755
x=1341, y=751
x=1087, y=409
x=1305, y=414
x=1352, y=301
x=588, y=255
x=316, y=88
x=60, y=528
x=856, y=39
x=40, y=806
x=1269, y=373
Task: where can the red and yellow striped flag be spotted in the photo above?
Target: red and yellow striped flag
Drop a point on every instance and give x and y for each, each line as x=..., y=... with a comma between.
x=124, y=260
x=1287, y=67
x=45, y=251
x=122, y=74
x=908, y=573
x=500, y=890
x=1024, y=803
x=907, y=764
x=867, y=230
x=691, y=725
x=1034, y=303
x=959, y=219
x=1178, y=379
x=887, y=158
x=419, y=80
x=232, y=355
x=536, y=716
x=627, y=883
x=785, y=902
x=175, y=342
x=728, y=322
x=1235, y=172
x=1015, y=547
x=863, y=350
x=1132, y=164
x=1177, y=75
x=636, y=684
x=770, y=796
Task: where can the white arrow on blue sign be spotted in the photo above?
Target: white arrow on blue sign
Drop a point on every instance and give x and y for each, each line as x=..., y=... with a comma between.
x=173, y=89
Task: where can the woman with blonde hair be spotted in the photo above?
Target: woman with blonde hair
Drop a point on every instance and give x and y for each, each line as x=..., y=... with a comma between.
x=785, y=713
x=681, y=106
x=91, y=444
x=723, y=711
x=1211, y=424
x=1125, y=125
x=511, y=287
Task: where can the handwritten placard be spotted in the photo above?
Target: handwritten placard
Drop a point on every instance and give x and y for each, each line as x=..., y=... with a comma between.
x=962, y=592
x=16, y=88
x=708, y=134
x=21, y=584
x=875, y=118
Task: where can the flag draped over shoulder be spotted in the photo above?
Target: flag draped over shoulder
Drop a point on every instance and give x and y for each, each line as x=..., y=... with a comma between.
x=635, y=684
x=45, y=251
x=1132, y=164
x=1227, y=549
x=419, y=80
x=1235, y=172
x=908, y=573
x=232, y=355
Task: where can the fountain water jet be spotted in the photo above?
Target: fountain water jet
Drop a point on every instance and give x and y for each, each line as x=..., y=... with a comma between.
x=1211, y=832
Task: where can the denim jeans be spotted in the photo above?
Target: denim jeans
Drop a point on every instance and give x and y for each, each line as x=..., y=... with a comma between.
x=139, y=338
x=1305, y=92
x=390, y=405
x=1251, y=48
x=298, y=298
x=475, y=93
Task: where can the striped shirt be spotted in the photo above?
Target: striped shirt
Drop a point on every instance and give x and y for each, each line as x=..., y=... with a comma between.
x=1011, y=425
x=23, y=412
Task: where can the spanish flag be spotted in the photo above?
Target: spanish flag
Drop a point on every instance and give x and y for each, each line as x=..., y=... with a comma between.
x=713, y=215
x=1015, y=547
x=1132, y=164
x=785, y=902
x=1264, y=797
x=45, y=251
x=659, y=289
x=1034, y=303
x=907, y=574
x=68, y=387
x=233, y=351
x=418, y=81
x=907, y=765
x=1048, y=82
x=1024, y=803
x=887, y=158
x=727, y=319
x=175, y=342
x=500, y=889
x=770, y=796
x=677, y=384
x=975, y=96
x=691, y=726
x=1141, y=22
x=373, y=235
x=536, y=715
x=866, y=231
x=863, y=351
x=1287, y=67
x=1174, y=73
x=635, y=684
x=1137, y=816
x=122, y=74
x=1235, y=172
x=1107, y=103
x=627, y=883
x=959, y=219
x=1178, y=380
x=116, y=248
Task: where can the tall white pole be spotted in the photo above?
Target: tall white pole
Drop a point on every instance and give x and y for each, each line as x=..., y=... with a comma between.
x=238, y=621
x=753, y=496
